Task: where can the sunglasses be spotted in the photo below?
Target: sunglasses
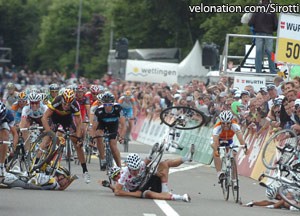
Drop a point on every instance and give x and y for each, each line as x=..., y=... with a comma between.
x=226, y=123
x=34, y=103
x=107, y=104
x=66, y=104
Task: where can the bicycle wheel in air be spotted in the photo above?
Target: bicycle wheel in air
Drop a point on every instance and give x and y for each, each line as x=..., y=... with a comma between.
x=183, y=118
x=151, y=167
x=49, y=138
x=235, y=181
x=271, y=155
x=225, y=182
x=290, y=194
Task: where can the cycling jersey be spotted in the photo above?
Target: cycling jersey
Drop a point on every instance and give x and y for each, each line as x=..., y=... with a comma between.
x=94, y=106
x=10, y=99
x=17, y=110
x=127, y=103
x=109, y=121
x=8, y=120
x=89, y=95
x=226, y=134
x=130, y=182
x=34, y=116
x=82, y=103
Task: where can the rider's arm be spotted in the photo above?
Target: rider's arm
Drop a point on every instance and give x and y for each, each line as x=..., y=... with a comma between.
x=122, y=126
x=15, y=135
x=240, y=137
x=120, y=192
x=216, y=143
x=45, y=118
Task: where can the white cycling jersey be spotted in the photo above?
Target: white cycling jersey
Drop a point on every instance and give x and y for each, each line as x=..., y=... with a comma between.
x=131, y=182
x=28, y=112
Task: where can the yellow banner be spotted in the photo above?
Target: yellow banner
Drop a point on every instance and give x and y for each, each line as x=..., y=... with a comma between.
x=288, y=51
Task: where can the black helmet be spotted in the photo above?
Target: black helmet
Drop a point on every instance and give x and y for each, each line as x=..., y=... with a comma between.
x=107, y=97
x=54, y=87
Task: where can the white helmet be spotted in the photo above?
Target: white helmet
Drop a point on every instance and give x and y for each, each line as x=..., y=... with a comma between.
x=114, y=171
x=226, y=116
x=133, y=161
x=34, y=97
x=272, y=191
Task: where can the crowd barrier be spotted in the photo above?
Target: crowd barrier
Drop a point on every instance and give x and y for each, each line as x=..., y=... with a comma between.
x=150, y=131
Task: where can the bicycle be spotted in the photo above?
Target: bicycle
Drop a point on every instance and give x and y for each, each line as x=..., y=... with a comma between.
x=88, y=148
x=273, y=152
x=289, y=188
x=177, y=117
x=21, y=158
x=229, y=168
x=127, y=134
x=108, y=154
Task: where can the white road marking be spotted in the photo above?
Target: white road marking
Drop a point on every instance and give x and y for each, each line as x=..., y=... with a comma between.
x=166, y=208
x=146, y=214
x=162, y=204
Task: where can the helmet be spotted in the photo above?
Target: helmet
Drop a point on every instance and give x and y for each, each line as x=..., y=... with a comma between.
x=278, y=101
x=133, y=161
x=68, y=95
x=10, y=85
x=114, y=171
x=63, y=171
x=80, y=88
x=43, y=96
x=61, y=91
x=226, y=116
x=22, y=96
x=54, y=87
x=2, y=111
x=107, y=97
x=245, y=92
x=272, y=191
x=95, y=89
x=128, y=93
x=99, y=96
x=34, y=97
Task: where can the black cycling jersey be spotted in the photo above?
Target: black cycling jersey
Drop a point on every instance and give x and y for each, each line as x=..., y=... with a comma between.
x=56, y=106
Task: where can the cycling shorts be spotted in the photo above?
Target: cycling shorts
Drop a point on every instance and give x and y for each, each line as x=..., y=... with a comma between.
x=128, y=112
x=110, y=127
x=154, y=184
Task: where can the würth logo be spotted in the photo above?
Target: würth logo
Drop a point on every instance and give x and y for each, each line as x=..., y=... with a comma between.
x=282, y=25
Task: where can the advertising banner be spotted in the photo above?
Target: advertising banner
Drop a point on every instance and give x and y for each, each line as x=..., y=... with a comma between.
x=242, y=81
x=153, y=72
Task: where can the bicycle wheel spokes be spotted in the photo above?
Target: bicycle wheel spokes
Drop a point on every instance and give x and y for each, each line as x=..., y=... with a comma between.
x=234, y=181
x=290, y=194
x=272, y=155
x=225, y=182
x=184, y=118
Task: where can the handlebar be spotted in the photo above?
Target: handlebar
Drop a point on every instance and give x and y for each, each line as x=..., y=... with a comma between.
x=101, y=136
x=31, y=128
x=5, y=142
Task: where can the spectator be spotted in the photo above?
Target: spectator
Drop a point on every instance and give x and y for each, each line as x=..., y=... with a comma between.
x=264, y=24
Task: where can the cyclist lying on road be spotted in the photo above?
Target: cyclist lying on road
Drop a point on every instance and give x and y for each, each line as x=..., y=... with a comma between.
x=40, y=181
x=128, y=179
x=272, y=193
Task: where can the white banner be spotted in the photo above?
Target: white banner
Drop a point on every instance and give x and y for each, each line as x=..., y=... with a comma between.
x=147, y=71
x=242, y=81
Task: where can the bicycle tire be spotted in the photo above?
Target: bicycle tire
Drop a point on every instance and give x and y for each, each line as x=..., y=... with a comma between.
x=167, y=115
x=290, y=194
x=225, y=182
x=20, y=162
x=47, y=154
x=55, y=160
x=151, y=167
x=68, y=154
x=271, y=156
x=109, y=159
x=235, y=192
x=88, y=148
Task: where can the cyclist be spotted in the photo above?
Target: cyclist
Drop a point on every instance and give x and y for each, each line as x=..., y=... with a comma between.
x=7, y=123
x=84, y=102
x=61, y=112
x=108, y=117
x=18, y=106
x=44, y=98
x=271, y=194
x=32, y=114
x=129, y=105
x=94, y=91
x=157, y=188
x=224, y=131
x=39, y=181
x=10, y=96
x=53, y=92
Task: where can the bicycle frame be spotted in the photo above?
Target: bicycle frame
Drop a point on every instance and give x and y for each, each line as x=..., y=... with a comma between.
x=229, y=168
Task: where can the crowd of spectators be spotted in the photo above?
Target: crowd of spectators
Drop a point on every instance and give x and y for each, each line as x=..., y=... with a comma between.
x=274, y=105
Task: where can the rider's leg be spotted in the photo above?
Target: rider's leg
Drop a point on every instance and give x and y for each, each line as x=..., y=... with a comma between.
x=4, y=134
x=163, y=174
x=115, y=151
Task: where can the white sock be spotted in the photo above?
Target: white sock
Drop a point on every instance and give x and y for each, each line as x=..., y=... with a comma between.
x=270, y=206
x=1, y=165
x=176, y=197
x=164, y=187
x=185, y=159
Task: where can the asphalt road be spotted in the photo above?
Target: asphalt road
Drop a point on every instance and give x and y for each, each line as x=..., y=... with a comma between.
x=92, y=199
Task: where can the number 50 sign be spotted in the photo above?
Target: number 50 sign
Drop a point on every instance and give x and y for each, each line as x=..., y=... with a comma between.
x=288, y=42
